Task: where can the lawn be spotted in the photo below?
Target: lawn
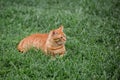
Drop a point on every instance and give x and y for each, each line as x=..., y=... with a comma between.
x=93, y=39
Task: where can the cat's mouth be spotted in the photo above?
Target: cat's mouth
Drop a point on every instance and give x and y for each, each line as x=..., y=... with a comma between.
x=59, y=42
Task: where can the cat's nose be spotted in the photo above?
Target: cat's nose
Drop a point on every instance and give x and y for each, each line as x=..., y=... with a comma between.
x=64, y=38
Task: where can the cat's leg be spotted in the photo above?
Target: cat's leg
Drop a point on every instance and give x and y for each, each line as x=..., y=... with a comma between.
x=62, y=54
x=53, y=56
x=24, y=50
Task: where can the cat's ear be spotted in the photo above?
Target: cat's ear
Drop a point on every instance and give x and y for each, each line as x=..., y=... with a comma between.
x=54, y=32
x=61, y=28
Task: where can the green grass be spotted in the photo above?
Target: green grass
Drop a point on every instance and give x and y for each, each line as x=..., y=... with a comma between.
x=93, y=39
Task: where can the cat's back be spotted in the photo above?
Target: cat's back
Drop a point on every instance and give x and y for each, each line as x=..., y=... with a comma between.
x=38, y=35
x=35, y=38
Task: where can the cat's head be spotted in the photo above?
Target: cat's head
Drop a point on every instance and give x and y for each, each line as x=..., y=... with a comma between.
x=58, y=36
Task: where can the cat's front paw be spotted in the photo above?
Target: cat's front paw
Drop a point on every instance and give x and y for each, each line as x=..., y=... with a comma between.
x=62, y=55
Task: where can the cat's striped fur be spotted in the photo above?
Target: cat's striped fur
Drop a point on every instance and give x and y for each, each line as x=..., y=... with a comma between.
x=52, y=43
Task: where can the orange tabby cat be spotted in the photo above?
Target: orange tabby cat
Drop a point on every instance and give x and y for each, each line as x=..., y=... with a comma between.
x=52, y=43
